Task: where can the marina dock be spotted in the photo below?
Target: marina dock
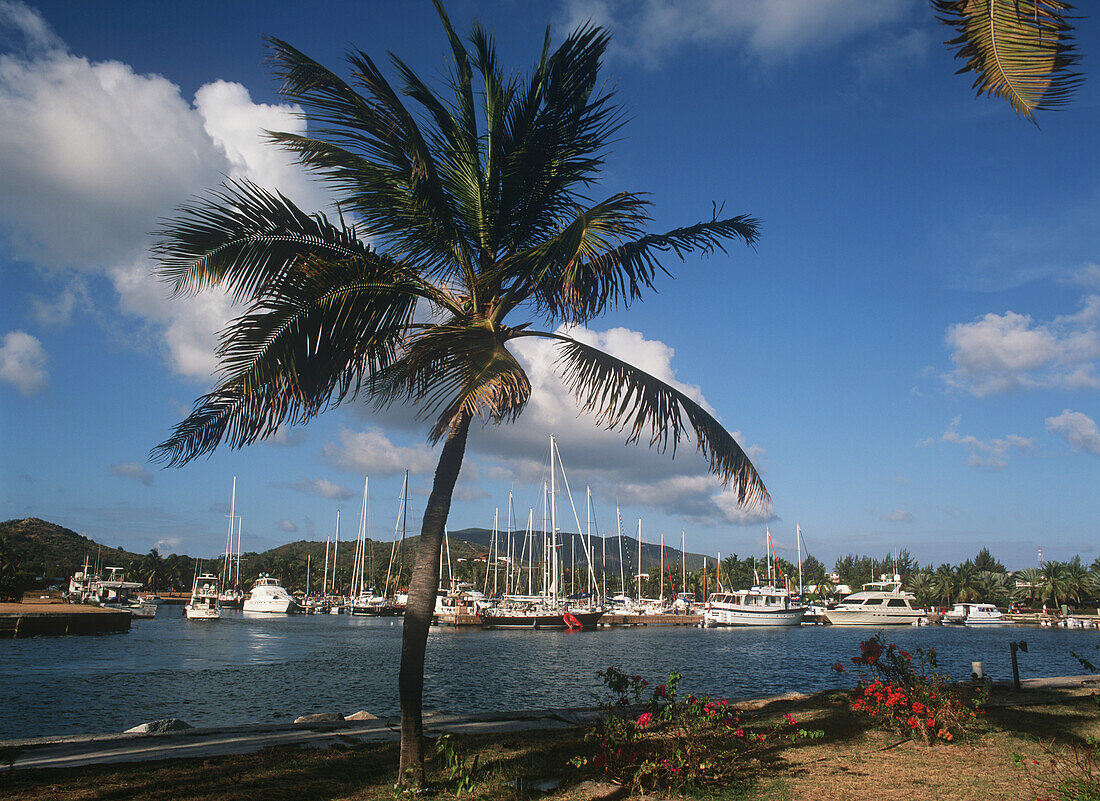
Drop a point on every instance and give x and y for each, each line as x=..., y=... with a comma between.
x=29, y=619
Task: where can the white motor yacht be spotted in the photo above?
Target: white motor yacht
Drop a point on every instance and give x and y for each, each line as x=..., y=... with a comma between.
x=879, y=603
x=975, y=615
x=204, y=603
x=268, y=596
x=758, y=606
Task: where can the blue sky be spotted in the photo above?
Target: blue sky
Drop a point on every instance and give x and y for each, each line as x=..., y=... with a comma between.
x=910, y=354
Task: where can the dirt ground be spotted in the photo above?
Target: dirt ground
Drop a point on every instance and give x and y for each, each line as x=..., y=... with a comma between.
x=1009, y=758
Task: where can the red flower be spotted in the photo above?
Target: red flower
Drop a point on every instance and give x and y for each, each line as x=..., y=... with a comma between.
x=839, y=668
x=644, y=719
x=913, y=723
x=790, y=719
x=661, y=691
x=919, y=708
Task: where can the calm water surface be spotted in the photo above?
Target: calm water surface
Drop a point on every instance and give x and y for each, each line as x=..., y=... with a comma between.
x=248, y=668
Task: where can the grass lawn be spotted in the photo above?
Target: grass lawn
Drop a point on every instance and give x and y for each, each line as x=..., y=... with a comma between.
x=1009, y=757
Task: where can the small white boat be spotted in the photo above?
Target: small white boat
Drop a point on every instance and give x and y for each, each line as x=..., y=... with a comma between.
x=205, y=603
x=113, y=592
x=879, y=603
x=967, y=614
x=268, y=596
x=758, y=606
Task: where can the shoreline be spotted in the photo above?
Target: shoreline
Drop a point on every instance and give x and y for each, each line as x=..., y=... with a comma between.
x=65, y=751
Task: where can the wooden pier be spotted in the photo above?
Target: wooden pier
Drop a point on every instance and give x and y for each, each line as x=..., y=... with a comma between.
x=615, y=619
x=29, y=619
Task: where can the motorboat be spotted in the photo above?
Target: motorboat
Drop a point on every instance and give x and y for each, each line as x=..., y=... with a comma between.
x=113, y=592
x=538, y=614
x=268, y=596
x=879, y=603
x=757, y=606
x=969, y=614
x=205, y=603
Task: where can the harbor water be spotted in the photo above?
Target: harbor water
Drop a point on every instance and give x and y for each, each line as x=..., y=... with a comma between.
x=270, y=668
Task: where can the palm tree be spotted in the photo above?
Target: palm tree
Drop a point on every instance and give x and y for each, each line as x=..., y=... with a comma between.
x=471, y=226
x=923, y=586
x=1027, y=583
x=1054, y=583
x=1022, y=52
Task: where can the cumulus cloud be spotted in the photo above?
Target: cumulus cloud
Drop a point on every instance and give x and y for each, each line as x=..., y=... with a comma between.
x=133, y=471
x=23, y=363
x=320, y=486
x=985, y=454
x=371, y=452
x=1001, y=353
x=287, y=526
x=634, y=474
x=102, y=153
x=648, y=30
x=1078, y=429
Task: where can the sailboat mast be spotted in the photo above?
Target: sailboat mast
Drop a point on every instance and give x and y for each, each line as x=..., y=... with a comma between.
x=622, y=568
x=324, y=581
x=227, y=565
x=683, y=562
x=530, y=545
x=335, y=552
x=798, y=543
x=639, y=570
x=553, y=524
x=661, y=569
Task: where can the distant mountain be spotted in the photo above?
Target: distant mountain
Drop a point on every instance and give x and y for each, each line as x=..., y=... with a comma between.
x=47, y=549
x=605, y=548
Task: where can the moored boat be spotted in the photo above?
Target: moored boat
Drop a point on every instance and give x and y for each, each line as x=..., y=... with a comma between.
x=879, y=603
x=268, y=596
x=758, y=606
x=205, y=603
x=972, y=614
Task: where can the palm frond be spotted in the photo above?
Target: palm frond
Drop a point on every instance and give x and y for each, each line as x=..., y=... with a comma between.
x=308, y=344
x=457, y=368
x=401, y=198
x=244, y=237
x=624, y=398
x=1021, y=50
x=588, y=268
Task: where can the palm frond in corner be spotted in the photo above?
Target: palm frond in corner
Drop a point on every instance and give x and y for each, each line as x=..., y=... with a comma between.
x=1021, y=50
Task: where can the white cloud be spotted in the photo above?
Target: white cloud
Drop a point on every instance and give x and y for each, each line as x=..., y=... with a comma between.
x=1088, y=276
x=57, y=312
x=320, y=486
x=133, y=471
x=1078, y=429
x=986, y=454
x=1003, y=353
x=287, y=526
x=647, y=30
x=898, y=516
x=103, y=153
x=636, y=474
x=23, y=363
x=370, y=452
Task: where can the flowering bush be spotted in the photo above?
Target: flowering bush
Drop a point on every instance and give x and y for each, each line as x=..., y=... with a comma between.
x=660, y=740
x=908, y=695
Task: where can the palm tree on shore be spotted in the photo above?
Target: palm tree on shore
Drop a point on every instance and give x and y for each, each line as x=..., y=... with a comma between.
x=472, y=224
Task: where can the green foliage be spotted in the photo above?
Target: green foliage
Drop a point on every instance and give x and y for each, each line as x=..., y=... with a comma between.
x=911, y=696
x=1068, y=772
x=460, y=771
x=675, y=744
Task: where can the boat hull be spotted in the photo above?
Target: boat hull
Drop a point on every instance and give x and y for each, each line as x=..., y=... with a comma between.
x=845, y=617
x=539, y=620
x=273, y=606
x=733, y=616
x=201, y=613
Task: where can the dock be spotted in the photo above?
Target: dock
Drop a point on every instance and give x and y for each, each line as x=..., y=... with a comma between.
x=616, y=619
x=30, y=619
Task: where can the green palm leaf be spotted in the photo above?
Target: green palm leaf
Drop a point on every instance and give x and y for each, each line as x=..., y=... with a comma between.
x=1022, y=51
x=622, y=397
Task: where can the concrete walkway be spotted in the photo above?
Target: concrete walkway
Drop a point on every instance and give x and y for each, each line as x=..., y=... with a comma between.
x=101, y=749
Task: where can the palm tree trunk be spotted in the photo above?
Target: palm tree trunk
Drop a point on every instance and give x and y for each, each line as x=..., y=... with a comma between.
x=421, y=603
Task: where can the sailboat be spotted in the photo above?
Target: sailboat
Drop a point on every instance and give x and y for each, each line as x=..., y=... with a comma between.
x=549, y=610
x=231, y=596
x=766, y=605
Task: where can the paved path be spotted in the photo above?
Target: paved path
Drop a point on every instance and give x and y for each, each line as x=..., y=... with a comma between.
x=65, y=752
